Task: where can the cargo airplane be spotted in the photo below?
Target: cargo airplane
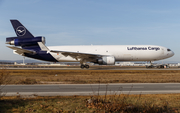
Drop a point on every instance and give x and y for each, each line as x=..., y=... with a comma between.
x=27, y=45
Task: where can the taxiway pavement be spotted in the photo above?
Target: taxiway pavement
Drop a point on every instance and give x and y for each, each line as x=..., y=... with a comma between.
x=91, y=89
x=117, y=68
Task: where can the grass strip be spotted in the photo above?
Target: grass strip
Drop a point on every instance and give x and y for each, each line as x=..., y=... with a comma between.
x=154, y=103
x=91, y=76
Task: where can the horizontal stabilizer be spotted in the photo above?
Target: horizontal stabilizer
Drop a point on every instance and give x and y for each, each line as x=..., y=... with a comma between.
x=21, y=51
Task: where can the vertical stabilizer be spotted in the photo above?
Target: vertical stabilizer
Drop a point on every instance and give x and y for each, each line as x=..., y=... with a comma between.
x=20, y=30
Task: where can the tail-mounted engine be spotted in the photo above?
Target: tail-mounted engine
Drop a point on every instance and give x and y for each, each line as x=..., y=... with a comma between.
x=24, y=42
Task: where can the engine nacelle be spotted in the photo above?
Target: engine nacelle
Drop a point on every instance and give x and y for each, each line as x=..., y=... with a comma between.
x=110, y=60
x=27, y=41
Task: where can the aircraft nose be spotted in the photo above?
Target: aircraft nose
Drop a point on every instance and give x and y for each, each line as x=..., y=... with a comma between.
x=172, y=53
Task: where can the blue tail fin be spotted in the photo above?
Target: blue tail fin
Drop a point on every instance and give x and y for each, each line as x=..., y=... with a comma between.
x=30, y=46
x=20, y=30
x=24, y=38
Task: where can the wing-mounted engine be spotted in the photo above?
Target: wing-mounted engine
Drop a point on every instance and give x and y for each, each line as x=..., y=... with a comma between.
x=25, y=42
x=109, y=60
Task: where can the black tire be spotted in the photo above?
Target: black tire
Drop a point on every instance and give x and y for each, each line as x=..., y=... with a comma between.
x=87, y=66
x=82, y=66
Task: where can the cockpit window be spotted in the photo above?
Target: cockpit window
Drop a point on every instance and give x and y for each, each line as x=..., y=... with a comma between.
x=168, y=50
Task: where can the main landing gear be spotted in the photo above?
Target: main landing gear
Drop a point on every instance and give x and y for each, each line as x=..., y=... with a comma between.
x=84, y=66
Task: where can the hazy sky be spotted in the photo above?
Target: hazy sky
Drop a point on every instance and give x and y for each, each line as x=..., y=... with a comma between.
x=97, y=22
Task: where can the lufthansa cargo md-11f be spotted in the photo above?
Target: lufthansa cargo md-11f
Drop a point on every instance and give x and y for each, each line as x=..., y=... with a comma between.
x=27, y=45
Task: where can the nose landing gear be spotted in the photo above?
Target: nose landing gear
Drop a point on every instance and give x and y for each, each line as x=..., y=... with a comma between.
x=84, y=66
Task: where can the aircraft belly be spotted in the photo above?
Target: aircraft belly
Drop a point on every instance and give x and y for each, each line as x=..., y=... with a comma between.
x=138, y=56
x=148, y=56
x=42, y=55
x=61, y=58
x=67, y=59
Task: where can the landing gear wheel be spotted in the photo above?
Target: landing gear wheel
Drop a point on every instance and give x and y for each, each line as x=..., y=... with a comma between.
x=87, y=66
x=82, y=66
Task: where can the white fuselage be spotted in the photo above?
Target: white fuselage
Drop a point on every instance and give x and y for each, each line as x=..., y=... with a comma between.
x=120, y=52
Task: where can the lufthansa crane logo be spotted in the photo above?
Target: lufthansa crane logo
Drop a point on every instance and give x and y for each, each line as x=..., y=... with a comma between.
x=21, y=31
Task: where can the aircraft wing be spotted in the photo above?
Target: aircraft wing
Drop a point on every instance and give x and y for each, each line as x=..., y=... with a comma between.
x=77, y=55
x=21, y=51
